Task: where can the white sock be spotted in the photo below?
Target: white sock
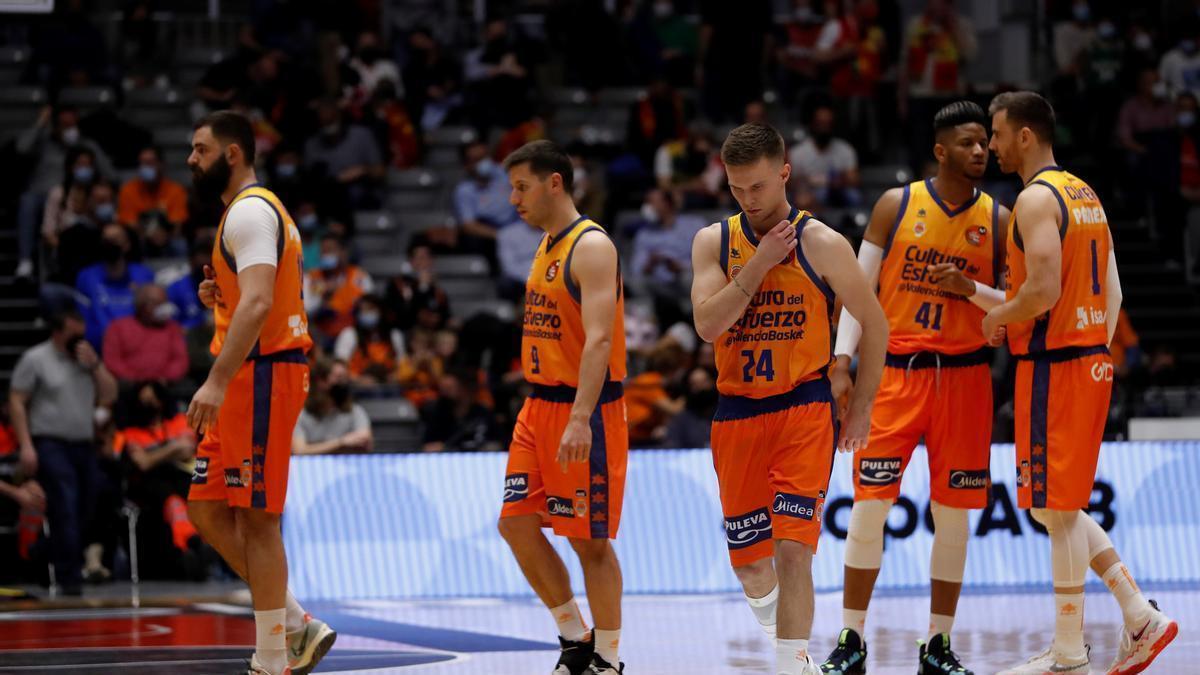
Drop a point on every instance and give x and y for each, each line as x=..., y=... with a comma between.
x=790, y=656
x=939, y=624
x=569, y=620
x=1134, y=605
x=1068, y=628
x=270, y=646
x=764, y=610
x=855, y=620
x=295, y=614
x=606, y=642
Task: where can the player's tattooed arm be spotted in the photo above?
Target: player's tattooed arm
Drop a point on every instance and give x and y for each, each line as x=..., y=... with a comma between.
x=833, y=259
x=1037, y=220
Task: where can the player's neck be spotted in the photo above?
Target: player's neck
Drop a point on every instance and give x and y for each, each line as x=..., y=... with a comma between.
x=764, y=224
x=1035, y=162
x=241, y=178
x=563, y=217
x=954, y=189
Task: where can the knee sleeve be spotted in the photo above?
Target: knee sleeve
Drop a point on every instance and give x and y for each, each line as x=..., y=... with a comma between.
x=1068, y=545
x=1097, y=538
x=949, y=554
x=864, y=541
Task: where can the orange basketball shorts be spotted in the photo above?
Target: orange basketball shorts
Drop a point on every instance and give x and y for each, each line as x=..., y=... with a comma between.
x=945, y=399
x=1061, y=405
x=773, y=456
x=585, y=501
x=243, y=458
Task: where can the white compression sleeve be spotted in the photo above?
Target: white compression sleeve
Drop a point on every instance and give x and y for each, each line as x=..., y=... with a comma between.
x=870, y=258
x=987, y=297
x=1112, y=295
x=864, y=540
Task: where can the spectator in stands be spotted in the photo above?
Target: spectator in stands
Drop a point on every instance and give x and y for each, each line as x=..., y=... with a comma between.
x=937, y=43
x=1124, y=347
x=732, y=51
x=650, y=406
x=662, y=255
x=1186, y=117
x=331, y=290
x=655, y=120
x=308, y=221
x=149, y=344
x=692, y=426
x=1147, y=131
x=70, y=50
x=678, y=40
x=824, y=167
x=159, y=450
x=1145, y=114
x=251, y=75
x=108, y=285
x=48, y=147
x=1073, y=38
x=372, y=347
x=27, y=502
x=1180, y=67
x=151, y=201
x=347, y=157
x=289, y=179
x=331, y=421
x=56, y=389
x=372, y=65
x=415, y=299
x=70, y=229
x=420, y=368
x=498, y=79
x=795, y=44
x=394, y=129
x=455, y=420
x=691, y=167
x=516, y=247
x=182, y=293
x=432, y=81
x=850, y=50
x=481, y=203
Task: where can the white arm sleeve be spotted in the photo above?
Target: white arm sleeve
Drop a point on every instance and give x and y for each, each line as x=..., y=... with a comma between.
x=1113, y=295
x=251, y=233
x=870, y=258
x=987, y=297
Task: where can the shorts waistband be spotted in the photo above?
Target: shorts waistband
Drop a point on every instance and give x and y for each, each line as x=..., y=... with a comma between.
x=743, y=407
x=1063, y=354
x=927, y=359
x=561, y=393
x=285, y=356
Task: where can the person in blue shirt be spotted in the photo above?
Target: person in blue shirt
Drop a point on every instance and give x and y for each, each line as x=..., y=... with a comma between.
x=481, y=205
x=109, y=284
x=183, y=292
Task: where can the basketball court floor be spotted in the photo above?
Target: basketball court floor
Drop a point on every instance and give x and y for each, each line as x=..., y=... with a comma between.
x=694, y=634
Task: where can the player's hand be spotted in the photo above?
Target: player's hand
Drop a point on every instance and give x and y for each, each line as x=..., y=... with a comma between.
x=993, y=330
x=202, y=413
x=856, y=426
x=576, y=443
x=778, y=243
x=86, y=356
x=210, y=293
x=842, y=385
x=948, y=277
x=30, y=497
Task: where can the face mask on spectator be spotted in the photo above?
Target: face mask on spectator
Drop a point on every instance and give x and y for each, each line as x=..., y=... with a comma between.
x=1188, y=46
x=105, y=213
x=163, y=313
x=111, y=252
x=339, y=393
x=330, y=262
x=485, y=167
x=1082, y=13
x=663, y=9
x=84, y=174
x=1159, y=90
x=1186, y=118
x=1142, y=42
x=307, y=222
x=1107, y=30
x=368, y=320
x=70, y=135
x=331, y=130
x=370, y=55
x=822, y=138
x=148, y=172
x=649, y=213
x=285, y=170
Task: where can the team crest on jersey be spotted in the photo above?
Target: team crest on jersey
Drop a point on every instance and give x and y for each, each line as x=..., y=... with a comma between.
x=552, y=271
x=976, y=235
x=581, y=503
x=734, y=271
x=919, y=228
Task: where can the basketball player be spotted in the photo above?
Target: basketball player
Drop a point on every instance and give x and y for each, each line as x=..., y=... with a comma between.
x=935, y=247
x=1063, y=295
x=763, y=293
x=566, y=465
x=247, y=408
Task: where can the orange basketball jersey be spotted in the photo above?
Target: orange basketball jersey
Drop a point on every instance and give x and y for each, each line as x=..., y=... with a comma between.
x=553, y=337
x=1078, y=319
x=927, y=231
x=286, y=326
x=783, y=338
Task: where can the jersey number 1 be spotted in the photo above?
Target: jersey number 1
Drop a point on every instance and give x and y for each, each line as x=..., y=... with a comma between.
x=763, y=366
x=923, y=317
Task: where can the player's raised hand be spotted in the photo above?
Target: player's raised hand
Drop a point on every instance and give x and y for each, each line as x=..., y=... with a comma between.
x=576, y=443
x=949, y=278
x=210, y=293
x=841, y=384
x=856, y=426
x=778, y=243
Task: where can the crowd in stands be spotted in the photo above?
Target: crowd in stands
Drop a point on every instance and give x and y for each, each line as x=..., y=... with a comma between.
x=339, y=109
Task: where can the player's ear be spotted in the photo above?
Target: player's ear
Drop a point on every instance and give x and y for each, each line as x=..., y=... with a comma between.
x=939, y=152
x=786, y=172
